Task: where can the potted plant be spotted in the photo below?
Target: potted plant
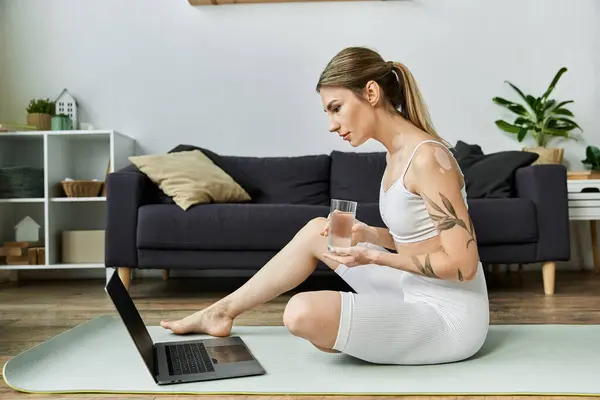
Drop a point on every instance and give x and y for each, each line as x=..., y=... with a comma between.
x=543, y=118
x=591, y=162
x=39, y=113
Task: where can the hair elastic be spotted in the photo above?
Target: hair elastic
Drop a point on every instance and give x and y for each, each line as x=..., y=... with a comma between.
x=394, y=71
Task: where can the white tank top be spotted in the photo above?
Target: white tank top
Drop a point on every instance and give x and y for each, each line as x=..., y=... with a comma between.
x=404, y=212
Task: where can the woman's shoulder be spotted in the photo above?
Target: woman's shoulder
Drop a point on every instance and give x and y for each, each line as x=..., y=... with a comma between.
x=433, y=158
x=432, y=153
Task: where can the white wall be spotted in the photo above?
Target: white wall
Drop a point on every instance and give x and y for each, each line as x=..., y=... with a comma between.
x=240, y=79
x=3, y=74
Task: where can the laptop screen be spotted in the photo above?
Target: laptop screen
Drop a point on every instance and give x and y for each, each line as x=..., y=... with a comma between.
x=132, y=320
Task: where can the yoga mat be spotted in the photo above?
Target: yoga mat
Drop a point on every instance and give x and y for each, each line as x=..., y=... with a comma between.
x=99, y=357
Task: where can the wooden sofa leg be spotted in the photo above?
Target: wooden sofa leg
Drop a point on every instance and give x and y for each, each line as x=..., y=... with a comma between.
x=125, y=275
x=165, y=274
x=548, y=273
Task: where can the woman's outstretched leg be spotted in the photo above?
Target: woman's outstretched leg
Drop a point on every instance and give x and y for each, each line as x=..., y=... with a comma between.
x=285, y=271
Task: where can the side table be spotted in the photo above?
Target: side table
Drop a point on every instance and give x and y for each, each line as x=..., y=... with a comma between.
x=584, y=204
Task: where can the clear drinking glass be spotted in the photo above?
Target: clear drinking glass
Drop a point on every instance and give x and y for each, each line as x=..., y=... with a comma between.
x=341, y=219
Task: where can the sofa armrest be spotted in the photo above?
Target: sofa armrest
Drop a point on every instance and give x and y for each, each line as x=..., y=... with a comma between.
x=127, y=190
x=546, y=186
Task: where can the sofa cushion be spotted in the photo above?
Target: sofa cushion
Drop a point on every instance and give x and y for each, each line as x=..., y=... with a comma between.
x=190, y=178
x=287, y=180
x=356, y=176
x=237, y=174
x=222, y=226
x=503, y=221
x=490, y=175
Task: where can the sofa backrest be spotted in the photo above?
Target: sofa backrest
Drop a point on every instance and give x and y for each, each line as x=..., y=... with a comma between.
x=287, y=180
x=356, y=175
x=306, y=179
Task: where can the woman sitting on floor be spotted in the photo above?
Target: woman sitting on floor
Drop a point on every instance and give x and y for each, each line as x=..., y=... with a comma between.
x=426, y=302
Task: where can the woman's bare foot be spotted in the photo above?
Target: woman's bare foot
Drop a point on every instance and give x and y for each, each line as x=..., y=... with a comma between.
x=211, y=320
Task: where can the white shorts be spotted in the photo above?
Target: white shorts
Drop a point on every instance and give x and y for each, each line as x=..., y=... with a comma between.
x=396, y=317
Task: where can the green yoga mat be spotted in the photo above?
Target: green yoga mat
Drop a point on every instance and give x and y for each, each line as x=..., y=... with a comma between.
x=99, y=357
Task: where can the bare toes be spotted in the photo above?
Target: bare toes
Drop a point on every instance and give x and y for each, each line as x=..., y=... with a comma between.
x=172, y=325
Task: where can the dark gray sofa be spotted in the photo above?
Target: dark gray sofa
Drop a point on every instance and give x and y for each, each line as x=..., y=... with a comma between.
x=519, y=211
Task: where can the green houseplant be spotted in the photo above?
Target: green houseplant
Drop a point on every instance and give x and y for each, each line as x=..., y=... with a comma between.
x=40, y=112
x=592, y=158
x=541, y=117
x=591, y=162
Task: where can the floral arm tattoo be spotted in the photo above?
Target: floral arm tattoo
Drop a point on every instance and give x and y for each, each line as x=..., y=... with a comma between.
x=446, y=219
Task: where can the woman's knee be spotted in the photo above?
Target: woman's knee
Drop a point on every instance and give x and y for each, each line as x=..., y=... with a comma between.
x=314, y=316
x=316, y=225
x=297, y=315
x=311, y=229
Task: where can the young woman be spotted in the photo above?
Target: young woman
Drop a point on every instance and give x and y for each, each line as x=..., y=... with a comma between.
x=425, y=302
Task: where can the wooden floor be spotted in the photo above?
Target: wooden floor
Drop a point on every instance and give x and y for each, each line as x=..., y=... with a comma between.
x=31, y=312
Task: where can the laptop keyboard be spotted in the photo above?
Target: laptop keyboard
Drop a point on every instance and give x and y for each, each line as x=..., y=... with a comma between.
x=188, y=358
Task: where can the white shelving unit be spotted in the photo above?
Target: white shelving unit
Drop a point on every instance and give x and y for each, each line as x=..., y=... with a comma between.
x=61, y=154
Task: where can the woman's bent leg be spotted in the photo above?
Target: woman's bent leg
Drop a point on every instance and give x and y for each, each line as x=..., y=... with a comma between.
x=388, y=330
x=285, y=271
x=315, y=317
x=382, y=328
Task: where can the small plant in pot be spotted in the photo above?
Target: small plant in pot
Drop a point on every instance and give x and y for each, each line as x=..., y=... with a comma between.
x=592, y=162
x=40, y=112
x=543, y=118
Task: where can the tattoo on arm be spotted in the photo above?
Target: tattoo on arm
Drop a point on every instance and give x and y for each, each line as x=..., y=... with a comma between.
x=426, y=269
x=449, y=219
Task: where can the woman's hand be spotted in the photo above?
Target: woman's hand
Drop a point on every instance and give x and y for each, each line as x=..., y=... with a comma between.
x=363, y=233
x=353, y=256
x=326, y=230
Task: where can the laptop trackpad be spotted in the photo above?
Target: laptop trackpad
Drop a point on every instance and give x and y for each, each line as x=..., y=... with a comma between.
x=229, y=353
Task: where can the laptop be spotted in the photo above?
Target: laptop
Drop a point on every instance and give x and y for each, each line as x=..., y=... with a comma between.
x=183, y=361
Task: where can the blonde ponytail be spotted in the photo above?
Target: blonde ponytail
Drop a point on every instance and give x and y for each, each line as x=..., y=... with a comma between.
x=412, y=105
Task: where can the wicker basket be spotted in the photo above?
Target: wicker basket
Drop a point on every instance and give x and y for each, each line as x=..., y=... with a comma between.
x=82, y=188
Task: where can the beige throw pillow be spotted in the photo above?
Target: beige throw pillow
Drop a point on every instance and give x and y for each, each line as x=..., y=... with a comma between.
x=190, y=178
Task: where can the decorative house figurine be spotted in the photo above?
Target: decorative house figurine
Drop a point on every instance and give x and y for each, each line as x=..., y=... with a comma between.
x=66, y=104
x=27, y=230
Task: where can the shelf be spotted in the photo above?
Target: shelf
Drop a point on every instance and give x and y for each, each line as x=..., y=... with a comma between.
x=76, y=266
x=11, y=213
x=25, y=136
x=77, y=199
x=23, y=151
x=80, y=154
x=51, y=266
x=55, y=133
x=55, y=200
x=23, y=200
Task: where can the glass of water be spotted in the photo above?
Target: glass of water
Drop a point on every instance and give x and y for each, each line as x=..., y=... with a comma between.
x=341, y=219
